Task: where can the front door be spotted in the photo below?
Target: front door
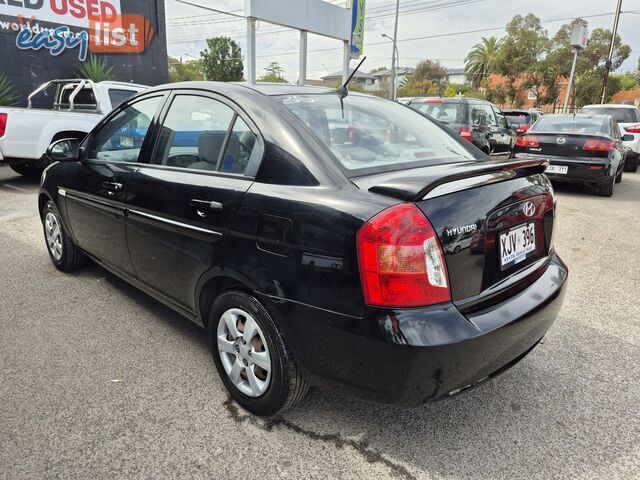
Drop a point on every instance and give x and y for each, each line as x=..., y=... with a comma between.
x=97, y=189
x=183, y=202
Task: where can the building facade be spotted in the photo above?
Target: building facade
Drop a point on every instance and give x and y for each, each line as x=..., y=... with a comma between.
x=129, y=35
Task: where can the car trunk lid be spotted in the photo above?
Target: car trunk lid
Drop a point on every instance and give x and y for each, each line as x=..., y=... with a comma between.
x=479, y=212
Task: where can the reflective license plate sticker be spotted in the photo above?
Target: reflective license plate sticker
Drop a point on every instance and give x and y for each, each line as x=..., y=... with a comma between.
x=558, y=169
x=516, y=244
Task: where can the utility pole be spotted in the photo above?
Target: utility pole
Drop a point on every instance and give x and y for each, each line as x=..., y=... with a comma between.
x=608, y=63
x=392, y=87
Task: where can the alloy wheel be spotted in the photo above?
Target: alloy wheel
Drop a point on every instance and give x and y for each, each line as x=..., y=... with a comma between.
x=244, y=352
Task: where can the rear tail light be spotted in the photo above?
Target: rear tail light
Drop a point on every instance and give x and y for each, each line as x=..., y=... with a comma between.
x=599, y=146
x=633, y=129
x=3, y=123
x=596, y=167
x=528, y=141
x=465, y=133
x=401, y=261
x=523, y=129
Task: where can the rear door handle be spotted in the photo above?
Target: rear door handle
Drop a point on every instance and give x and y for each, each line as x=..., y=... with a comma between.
x=206, y=205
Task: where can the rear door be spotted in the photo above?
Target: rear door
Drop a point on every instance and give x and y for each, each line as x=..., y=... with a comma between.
x=182, y=203
x=96, y=188
x=505, y=137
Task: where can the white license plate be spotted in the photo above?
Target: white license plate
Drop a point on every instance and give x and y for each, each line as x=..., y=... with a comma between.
x=516, y=244
x=558, y=169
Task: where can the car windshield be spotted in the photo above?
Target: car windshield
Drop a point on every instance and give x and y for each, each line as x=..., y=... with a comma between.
x=445, y=112
x=522, y=118
x=373, y=134
x=622, y=115
x=572, y=124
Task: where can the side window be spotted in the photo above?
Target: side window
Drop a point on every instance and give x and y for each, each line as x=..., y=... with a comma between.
x=204, y=134
x=116, y=96
x=239, y=147
x=502, y=121
x=121, y=138
x=490, y=118
x=482, y=115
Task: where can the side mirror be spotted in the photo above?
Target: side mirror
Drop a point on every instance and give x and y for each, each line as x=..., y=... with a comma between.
x=66, y=150
x=514, y=126
x=628, y=138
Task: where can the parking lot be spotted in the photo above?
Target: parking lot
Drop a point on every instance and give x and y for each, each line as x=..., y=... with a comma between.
x=101, y=381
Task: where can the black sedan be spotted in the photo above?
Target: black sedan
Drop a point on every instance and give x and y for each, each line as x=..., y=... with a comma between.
x=583, y=148
x=311, y=256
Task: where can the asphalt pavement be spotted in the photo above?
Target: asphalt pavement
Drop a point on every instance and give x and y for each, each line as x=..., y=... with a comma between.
x=98, y=380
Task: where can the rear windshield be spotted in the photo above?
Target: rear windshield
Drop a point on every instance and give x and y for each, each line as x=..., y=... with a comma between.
x=622, y=115
x=571, y=124
x=523, y=118
x=445, y=112
x=374, y=135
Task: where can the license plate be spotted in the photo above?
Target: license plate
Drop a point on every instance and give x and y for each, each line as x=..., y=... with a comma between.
x=558, y=169
x=517, y=244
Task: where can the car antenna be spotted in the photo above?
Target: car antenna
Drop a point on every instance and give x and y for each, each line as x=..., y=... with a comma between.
x=343, y=91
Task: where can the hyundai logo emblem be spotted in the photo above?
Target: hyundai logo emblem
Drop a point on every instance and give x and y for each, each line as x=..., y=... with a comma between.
x=529, y=209
x=561, y=140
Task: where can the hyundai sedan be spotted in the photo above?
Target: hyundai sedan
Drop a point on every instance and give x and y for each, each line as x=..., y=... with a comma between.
x=315, y=236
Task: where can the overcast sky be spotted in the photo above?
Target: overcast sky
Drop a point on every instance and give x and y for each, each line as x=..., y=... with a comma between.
x=187, y=27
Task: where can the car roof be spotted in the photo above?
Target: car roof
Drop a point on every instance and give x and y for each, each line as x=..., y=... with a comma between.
x=610, y=105
x=579, y=115
x=268, y=89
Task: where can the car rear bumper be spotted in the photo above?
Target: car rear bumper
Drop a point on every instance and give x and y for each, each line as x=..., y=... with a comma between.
x=580, y=170
x=412, y=356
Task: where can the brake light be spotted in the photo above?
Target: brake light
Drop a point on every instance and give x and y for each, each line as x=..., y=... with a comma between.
x=523, y=129
x=527, y=141
x=3, y=123
x=352, y=134
x=433, y=101
x=599, y=146
x=465, y=133
x=401, y=261
x=633, y=129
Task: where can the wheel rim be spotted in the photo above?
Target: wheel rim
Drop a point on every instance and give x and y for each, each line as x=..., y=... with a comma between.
x=244, y=352
x=53, y=232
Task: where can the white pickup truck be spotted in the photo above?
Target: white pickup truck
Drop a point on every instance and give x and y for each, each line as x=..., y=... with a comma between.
x=56, y=110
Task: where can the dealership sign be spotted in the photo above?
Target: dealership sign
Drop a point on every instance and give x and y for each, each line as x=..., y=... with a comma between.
x=107, y=31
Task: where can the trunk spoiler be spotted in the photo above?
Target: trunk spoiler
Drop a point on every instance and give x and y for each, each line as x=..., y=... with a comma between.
x=412, y=189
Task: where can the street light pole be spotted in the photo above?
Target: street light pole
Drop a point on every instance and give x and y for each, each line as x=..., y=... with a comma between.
x=570, y=86
x=607, y=65
x=392, y=93
x=394, y=82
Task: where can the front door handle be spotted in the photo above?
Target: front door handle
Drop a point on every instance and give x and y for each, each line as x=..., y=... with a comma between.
x=206, y=205
x=112, y=187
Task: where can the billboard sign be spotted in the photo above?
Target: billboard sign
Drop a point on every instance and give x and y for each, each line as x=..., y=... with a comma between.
x=357, y=28
x=75, y=13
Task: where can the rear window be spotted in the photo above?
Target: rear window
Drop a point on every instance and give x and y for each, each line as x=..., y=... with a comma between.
x=522, y=118
x=572, y=124
x=621, y=115
x=117, y=96
x=372, y=135
x=445, y=112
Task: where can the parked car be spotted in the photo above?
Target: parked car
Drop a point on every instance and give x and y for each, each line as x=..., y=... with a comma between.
x=58, y=109
x=478, y=121
x=522, y=120
x=628, y=118
x=312, y=261
x=582, y=148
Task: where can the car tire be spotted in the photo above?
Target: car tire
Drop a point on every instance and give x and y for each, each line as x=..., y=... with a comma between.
x=245, y=380
x=631, y=166
x=606, y=189
x=64, y=254
x=26, y=170
x=619, y=176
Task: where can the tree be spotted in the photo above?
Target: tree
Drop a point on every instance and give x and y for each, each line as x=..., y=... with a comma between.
x=222, y=60
x=273, y=74
x=8, y=95
x=427, y=79
x=180, y=71
x=96, y=70
x=483, y=59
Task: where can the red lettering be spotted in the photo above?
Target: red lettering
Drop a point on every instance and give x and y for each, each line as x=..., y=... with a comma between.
x=76, y=8
x=109, y=12
x=62, y=10
x=93, y=9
